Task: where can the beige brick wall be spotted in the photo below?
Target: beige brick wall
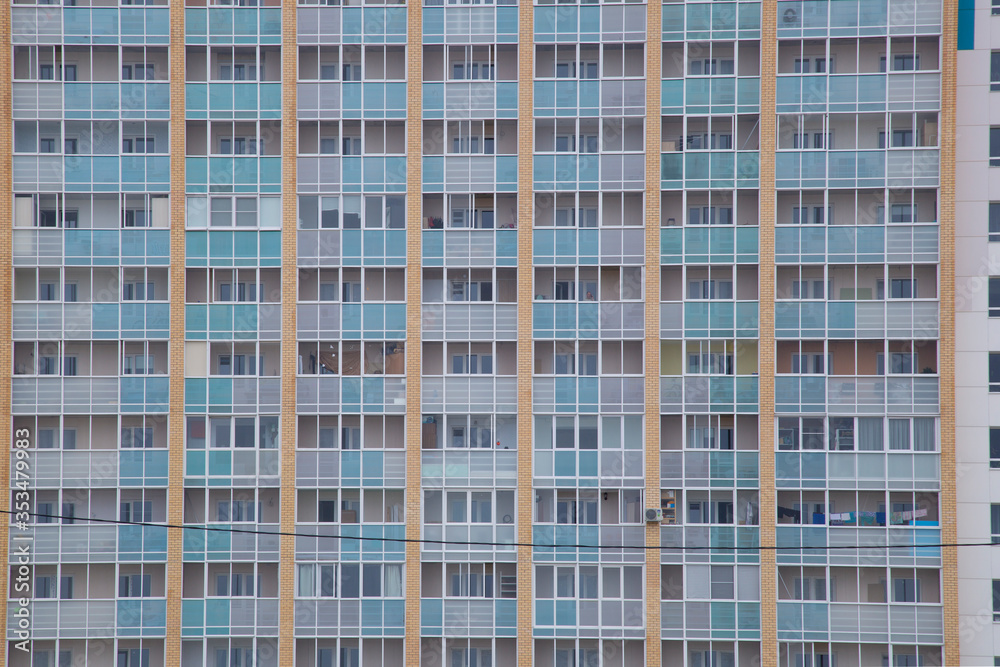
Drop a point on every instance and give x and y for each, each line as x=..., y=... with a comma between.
x=946, y=349
x=768, y=142
x=175, y=420
x=414, y=208
x=654, y=14
x=525, y=217
x=289, y=295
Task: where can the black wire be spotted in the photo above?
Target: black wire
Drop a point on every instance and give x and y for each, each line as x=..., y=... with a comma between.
x=250, y=531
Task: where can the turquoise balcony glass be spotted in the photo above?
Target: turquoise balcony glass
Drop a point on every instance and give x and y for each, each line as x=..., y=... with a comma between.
x=141, y=467
x=144, y=24
x=749, y=20
x=747, y=319
x=507, y=25
x=710, y=94
x=506, y=247
x=671, y=170
x=671, y=94
x=142, y=617
x=747, y=391
x=672, y=21
x=747, y=94
x=747, y=468
x=671, y=245
x=85, y=25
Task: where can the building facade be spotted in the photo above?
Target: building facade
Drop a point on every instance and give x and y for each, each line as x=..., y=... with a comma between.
x=977, y=304
x=462, y=334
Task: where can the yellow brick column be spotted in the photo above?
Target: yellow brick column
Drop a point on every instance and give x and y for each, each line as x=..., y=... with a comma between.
x=175, y=419
x=768, y=143
x=525, y=220
x=289, y=296
x=946, y=352
x=414, y=210
x=6, y=290
x=654, y=52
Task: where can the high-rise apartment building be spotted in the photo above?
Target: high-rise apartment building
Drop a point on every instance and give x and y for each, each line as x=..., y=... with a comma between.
x=461, y=334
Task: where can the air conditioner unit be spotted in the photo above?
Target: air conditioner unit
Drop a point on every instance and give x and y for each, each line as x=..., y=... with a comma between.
x=654, y=515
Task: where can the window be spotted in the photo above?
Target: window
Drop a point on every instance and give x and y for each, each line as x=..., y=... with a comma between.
x=994, y=147
x=351, y=71
x=710, y=215
x=470, y=580
x=350, y=292
x=473, y=71
x=808, y=363
x=995, y=69
x=137, y=364
x=902, y=288
x=904, y=213
x=138, y=72
x=139, y=511
x=905, y=590
x=808, y=289
x=570, y=69
x=710, y=363
x=994, y=219
x=916, y=433
x=351, y=145
x=136, y=217
x=470, y=657
x=996, y=7
x=69, y=366
x=45, y=513
x=994, y=296
x=236, y=510
x=706, y=141
x=710, y=511
x=244, y=292
x=903, y=62
x=133, y=657
x=48, y=145
x=71, y=146
x=138, y=291
x=45, y=587
x=235, y=657
x=810, y=588
x=237, y=585
x=241, y=145
x=994, y=372
x=711, y=66
x=995, y=447
x=475, y=290
x=472, y=364
x=46, y=658
x=70, y=292
x=900, y=138
x=715, y=658
x=996, y=600
x=138, y=145
x=46, y=438
x=995, y=523
x=710, y=289
x=134, y=585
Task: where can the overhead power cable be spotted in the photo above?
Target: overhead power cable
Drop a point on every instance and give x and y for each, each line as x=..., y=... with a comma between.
x=535, y=545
